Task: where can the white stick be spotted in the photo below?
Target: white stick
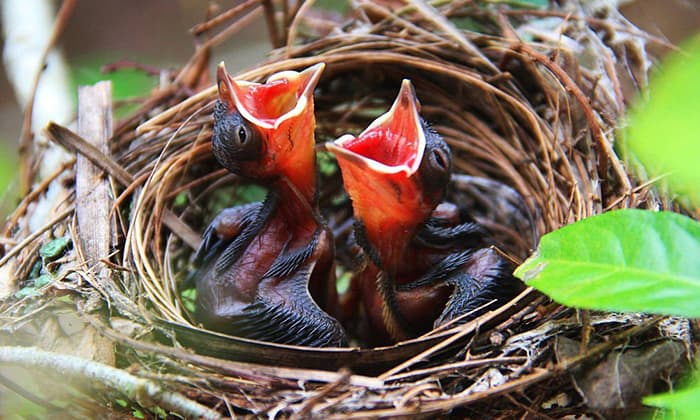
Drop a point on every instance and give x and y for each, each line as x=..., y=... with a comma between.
x=27, y=26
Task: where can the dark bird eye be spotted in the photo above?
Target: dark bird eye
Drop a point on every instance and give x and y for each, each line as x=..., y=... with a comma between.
x=234, y=139
x=242, y=135
x=440, y=159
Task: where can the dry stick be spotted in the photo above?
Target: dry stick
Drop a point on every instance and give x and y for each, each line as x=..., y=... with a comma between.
x=385, y=13
x=601, y=23
x=198, y=56
x=271, y=23
x=291, y=33
x=415, y=391
x=222, y=17
x=636, y=190
x=145, y=392
x=533, y=411
x=26, y=137
x=597, y=131
x=594, y=124
x=309, y=404
x=369, y=57
x=455, y=366
x=32, y=196
x=77, y=144
x=92, y=191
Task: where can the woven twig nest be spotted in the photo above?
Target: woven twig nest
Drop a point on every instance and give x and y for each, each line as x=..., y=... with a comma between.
x=529, y=105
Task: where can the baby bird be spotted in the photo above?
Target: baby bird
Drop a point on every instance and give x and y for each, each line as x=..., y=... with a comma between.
x=266, y=269
x=419, y=265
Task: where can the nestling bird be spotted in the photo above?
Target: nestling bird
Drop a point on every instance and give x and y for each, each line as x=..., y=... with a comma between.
x=264, y=268
x=419, y=264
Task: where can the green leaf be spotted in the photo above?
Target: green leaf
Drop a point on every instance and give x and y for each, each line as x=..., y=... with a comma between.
x=664, y=132
x=8, y=171
x=54, y=248
x=343, y=277
x=42, y=280
x=327, y=164
x=36, y=270
x=685, y=402
x=27, y=292
x=250, y=194
x=180, y=199
x=624, y=260
x=162, y=414
x=126, y=82
x=339, y=6
x=189, y=297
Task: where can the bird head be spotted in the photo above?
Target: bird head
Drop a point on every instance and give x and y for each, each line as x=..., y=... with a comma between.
x=265, y=131
x=396, y=172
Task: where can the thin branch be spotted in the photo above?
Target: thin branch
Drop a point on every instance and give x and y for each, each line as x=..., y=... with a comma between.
x=223, y=17
x=145, y=392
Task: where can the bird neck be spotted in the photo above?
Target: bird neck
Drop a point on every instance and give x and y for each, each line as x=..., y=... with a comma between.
x=297, y=202
x=390, y=240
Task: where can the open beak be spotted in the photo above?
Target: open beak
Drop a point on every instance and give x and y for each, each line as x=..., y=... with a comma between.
x=394, y=143
x=285, y=95
x=379, y=168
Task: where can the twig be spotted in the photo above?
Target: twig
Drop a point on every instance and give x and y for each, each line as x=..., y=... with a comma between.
x=271, y=375
x=34, y=194
x=145, y=392
x=308, y=405
x=463, y=330
x=606, y=152
x=77, y=144
x=222, y=17
x=305, y=6
x=454, y=366
x=271, y=23
x=595, y=22
x=92, y=192
x=539, y=375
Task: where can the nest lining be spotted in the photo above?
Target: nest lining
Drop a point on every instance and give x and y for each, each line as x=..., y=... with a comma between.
x=531, y=126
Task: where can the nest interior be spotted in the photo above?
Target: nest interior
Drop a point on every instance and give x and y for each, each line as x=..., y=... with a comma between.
x=528, y=100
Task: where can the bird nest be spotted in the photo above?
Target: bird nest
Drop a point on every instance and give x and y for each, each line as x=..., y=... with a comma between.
x=528, y=99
